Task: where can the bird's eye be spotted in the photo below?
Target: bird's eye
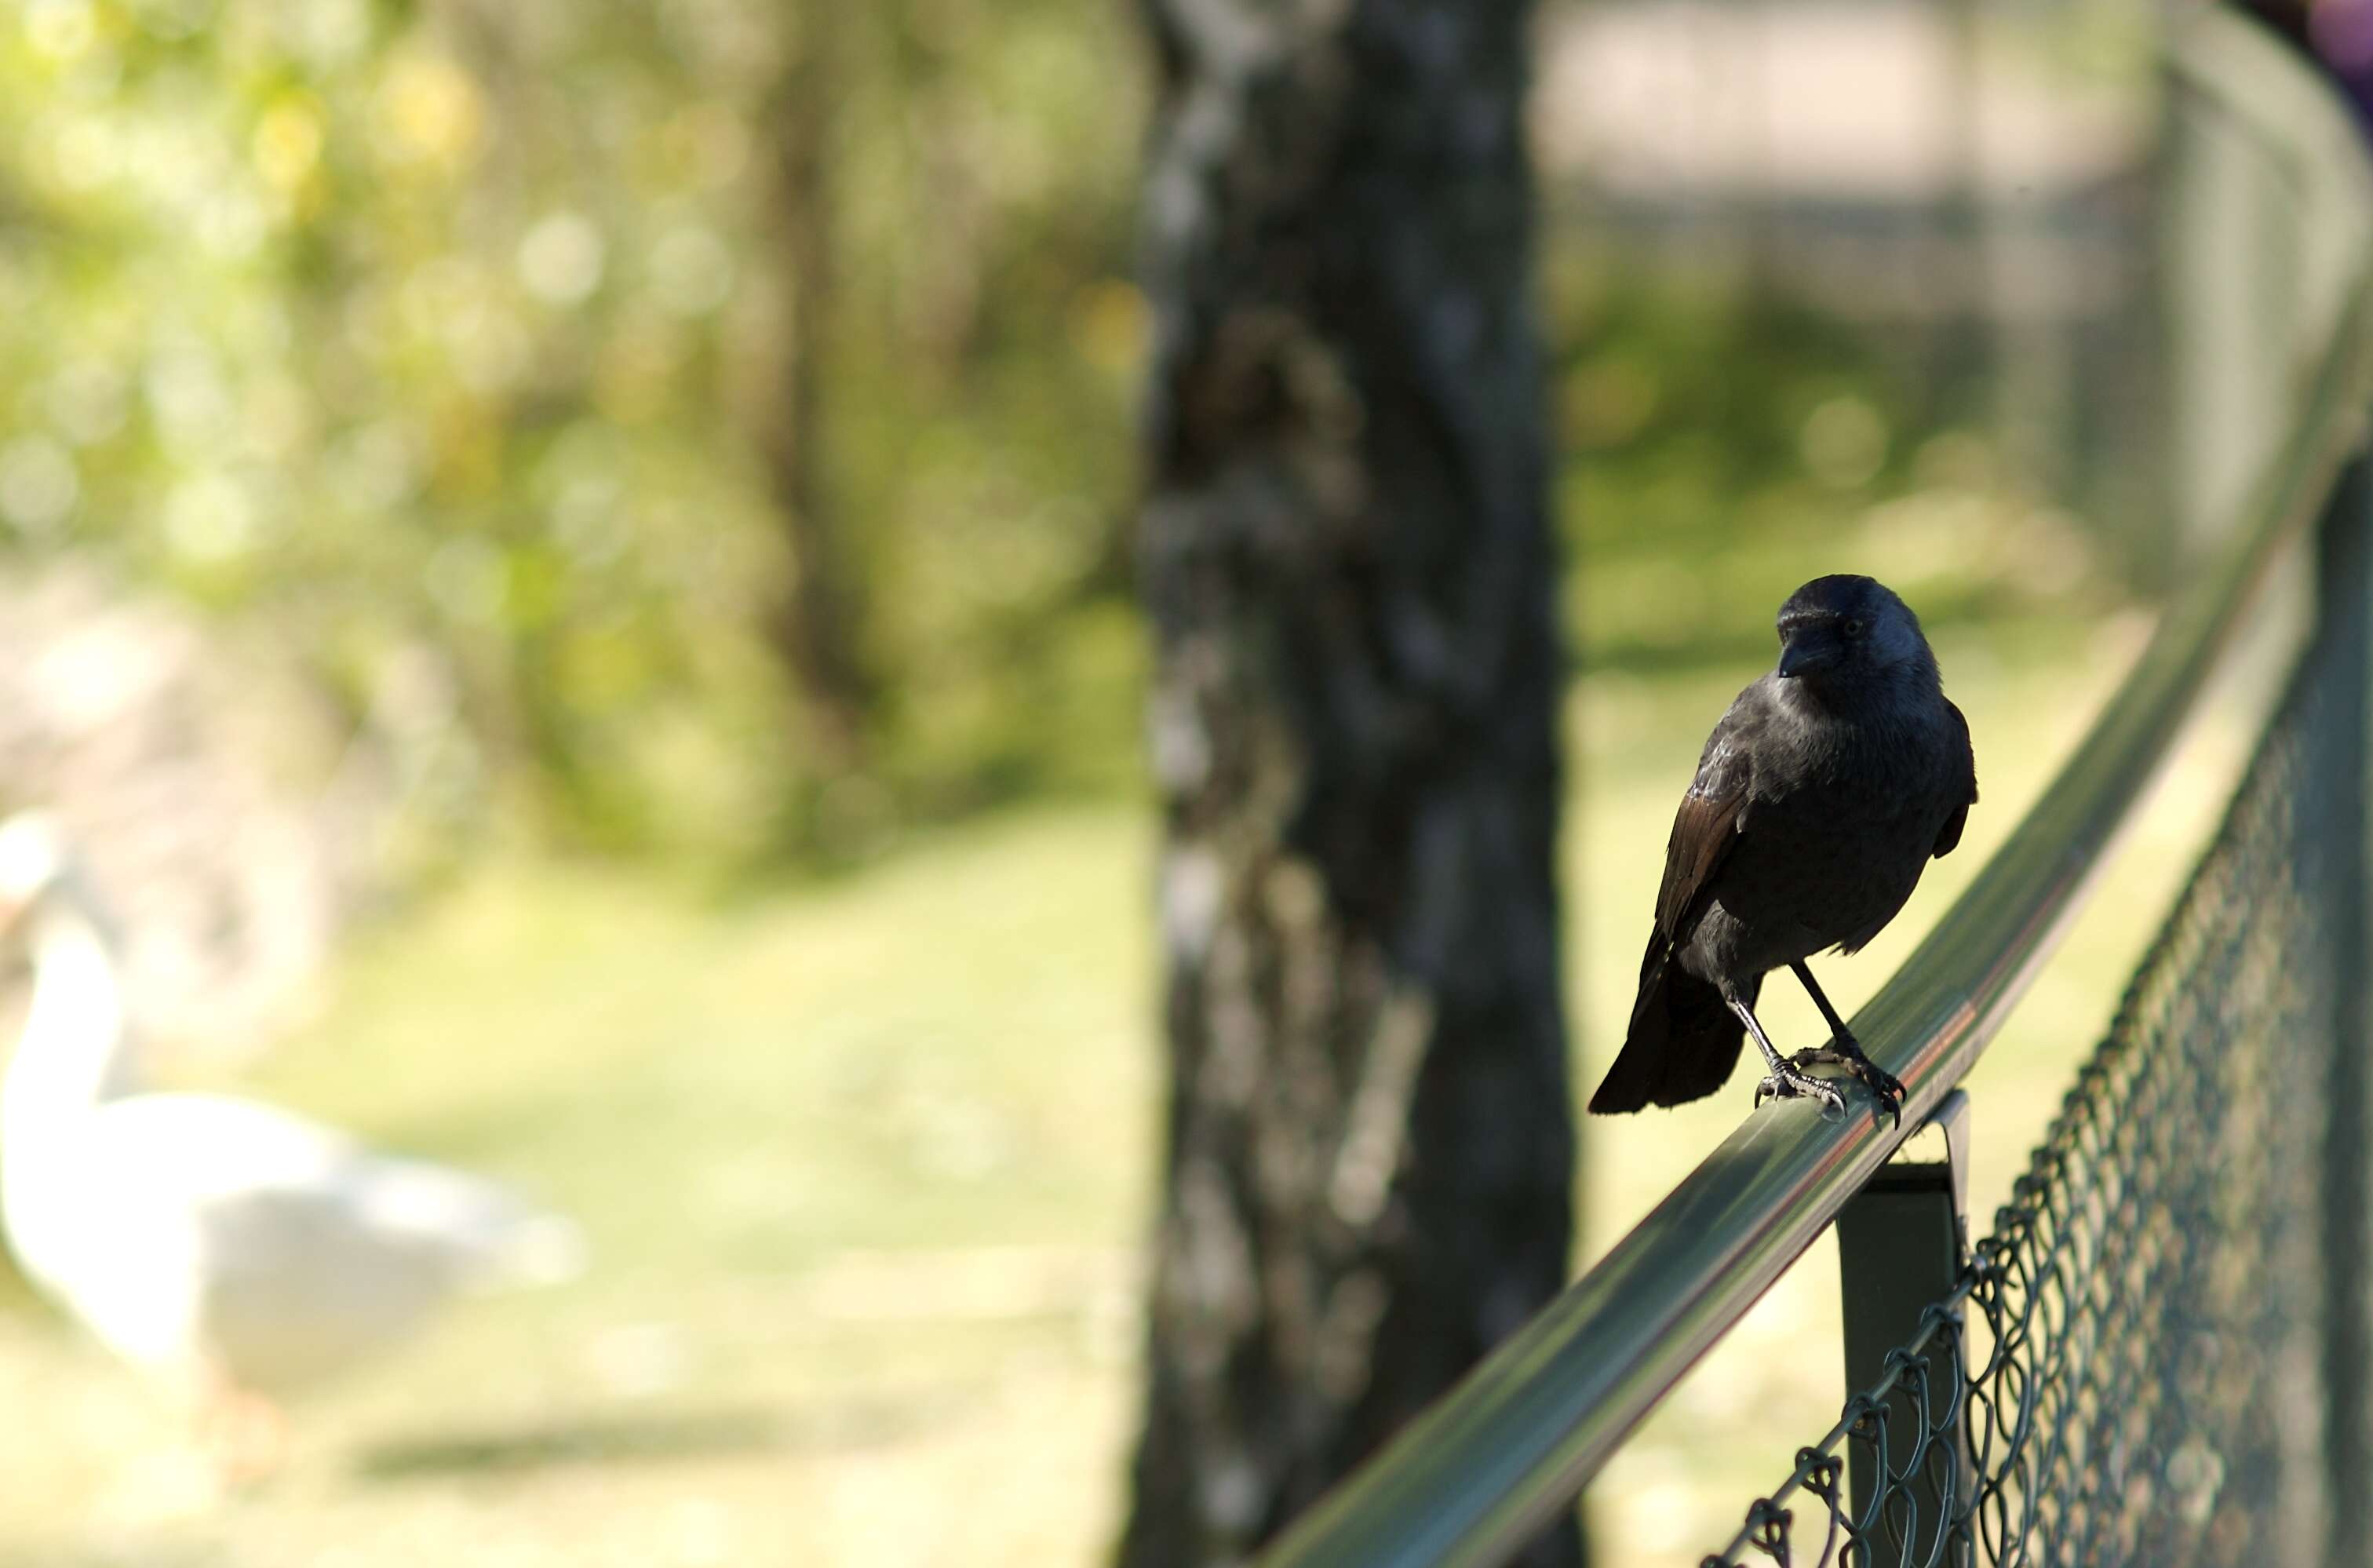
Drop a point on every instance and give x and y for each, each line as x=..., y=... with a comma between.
x=1853, y=628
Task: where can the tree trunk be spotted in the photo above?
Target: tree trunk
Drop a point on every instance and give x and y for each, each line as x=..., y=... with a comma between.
x=1347, y=563
x=816, y=626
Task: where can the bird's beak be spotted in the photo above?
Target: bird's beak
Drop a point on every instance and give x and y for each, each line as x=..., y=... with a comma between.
x=1802, y=656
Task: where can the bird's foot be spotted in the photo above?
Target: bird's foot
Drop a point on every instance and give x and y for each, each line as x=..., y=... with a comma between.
x=1846, y=1051
x=1787, y=1081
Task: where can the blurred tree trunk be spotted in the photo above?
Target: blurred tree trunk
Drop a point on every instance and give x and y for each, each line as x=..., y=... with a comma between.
x=1347, y=558
x=817, y=627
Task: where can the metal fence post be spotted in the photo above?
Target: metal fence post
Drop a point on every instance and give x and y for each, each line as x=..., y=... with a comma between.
x=1900, y=1242
x=2342, y=758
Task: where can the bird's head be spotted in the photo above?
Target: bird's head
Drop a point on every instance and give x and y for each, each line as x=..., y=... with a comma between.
x=1844, y=631
x=34, y=858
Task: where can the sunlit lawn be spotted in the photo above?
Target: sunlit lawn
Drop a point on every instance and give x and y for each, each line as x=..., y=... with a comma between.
x=865, y=1164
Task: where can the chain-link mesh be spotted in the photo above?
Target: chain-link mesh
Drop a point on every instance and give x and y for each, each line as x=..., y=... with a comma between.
x=2131, y=1369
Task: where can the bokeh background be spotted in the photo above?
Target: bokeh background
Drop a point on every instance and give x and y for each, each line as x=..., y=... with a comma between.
x=570, y=564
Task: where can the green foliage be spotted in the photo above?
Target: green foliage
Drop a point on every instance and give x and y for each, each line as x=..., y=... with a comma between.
x=442, y=342
x=1721, y=447
x=449, y=346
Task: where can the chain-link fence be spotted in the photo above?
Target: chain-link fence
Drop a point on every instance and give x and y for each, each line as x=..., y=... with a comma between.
x=2154, y=1358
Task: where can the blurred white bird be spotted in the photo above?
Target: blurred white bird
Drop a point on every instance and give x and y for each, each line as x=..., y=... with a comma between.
x=235, y=1249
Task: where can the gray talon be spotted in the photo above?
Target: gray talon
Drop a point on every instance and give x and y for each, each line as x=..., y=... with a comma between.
x=1846, y=1051
x=1788, y=1084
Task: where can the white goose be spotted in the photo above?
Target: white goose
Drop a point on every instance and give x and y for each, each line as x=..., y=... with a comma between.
x=237, y=1250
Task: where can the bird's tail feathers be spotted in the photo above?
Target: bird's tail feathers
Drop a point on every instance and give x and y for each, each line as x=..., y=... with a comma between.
x=494, y=1238
x=543, y=1249
x=528, y=1250
x=1682, y=1044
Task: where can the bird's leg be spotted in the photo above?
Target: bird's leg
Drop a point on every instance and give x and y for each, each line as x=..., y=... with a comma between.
x=263, y=1446
x=245, y=1434
x=1785, y=1081
x=1846, y=1051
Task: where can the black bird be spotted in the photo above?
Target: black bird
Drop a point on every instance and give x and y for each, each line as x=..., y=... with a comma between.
x=1819, y=801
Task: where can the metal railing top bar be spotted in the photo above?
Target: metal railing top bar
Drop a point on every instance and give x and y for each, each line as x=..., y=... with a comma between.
x=1470, y=1480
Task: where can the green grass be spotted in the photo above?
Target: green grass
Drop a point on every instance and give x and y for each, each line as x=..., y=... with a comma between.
x=862, y=1168
x=865, y=1166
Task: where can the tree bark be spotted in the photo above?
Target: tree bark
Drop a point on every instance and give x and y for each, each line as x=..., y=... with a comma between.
x=1347, y=563
x=816, y=628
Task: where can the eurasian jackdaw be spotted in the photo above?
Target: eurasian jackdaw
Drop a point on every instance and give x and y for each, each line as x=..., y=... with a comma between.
x=1817, y=803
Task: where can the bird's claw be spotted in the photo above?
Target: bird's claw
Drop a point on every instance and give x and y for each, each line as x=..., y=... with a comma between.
x=1847, y=1052
x=1790, y=1083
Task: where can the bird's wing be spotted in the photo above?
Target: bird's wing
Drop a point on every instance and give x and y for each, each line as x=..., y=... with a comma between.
x=1948, y=837
x=1707, y=824
x=277, y=1248
x=234, y=1165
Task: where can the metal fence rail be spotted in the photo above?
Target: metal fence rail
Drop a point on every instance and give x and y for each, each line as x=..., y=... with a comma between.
x=2113, y=1398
